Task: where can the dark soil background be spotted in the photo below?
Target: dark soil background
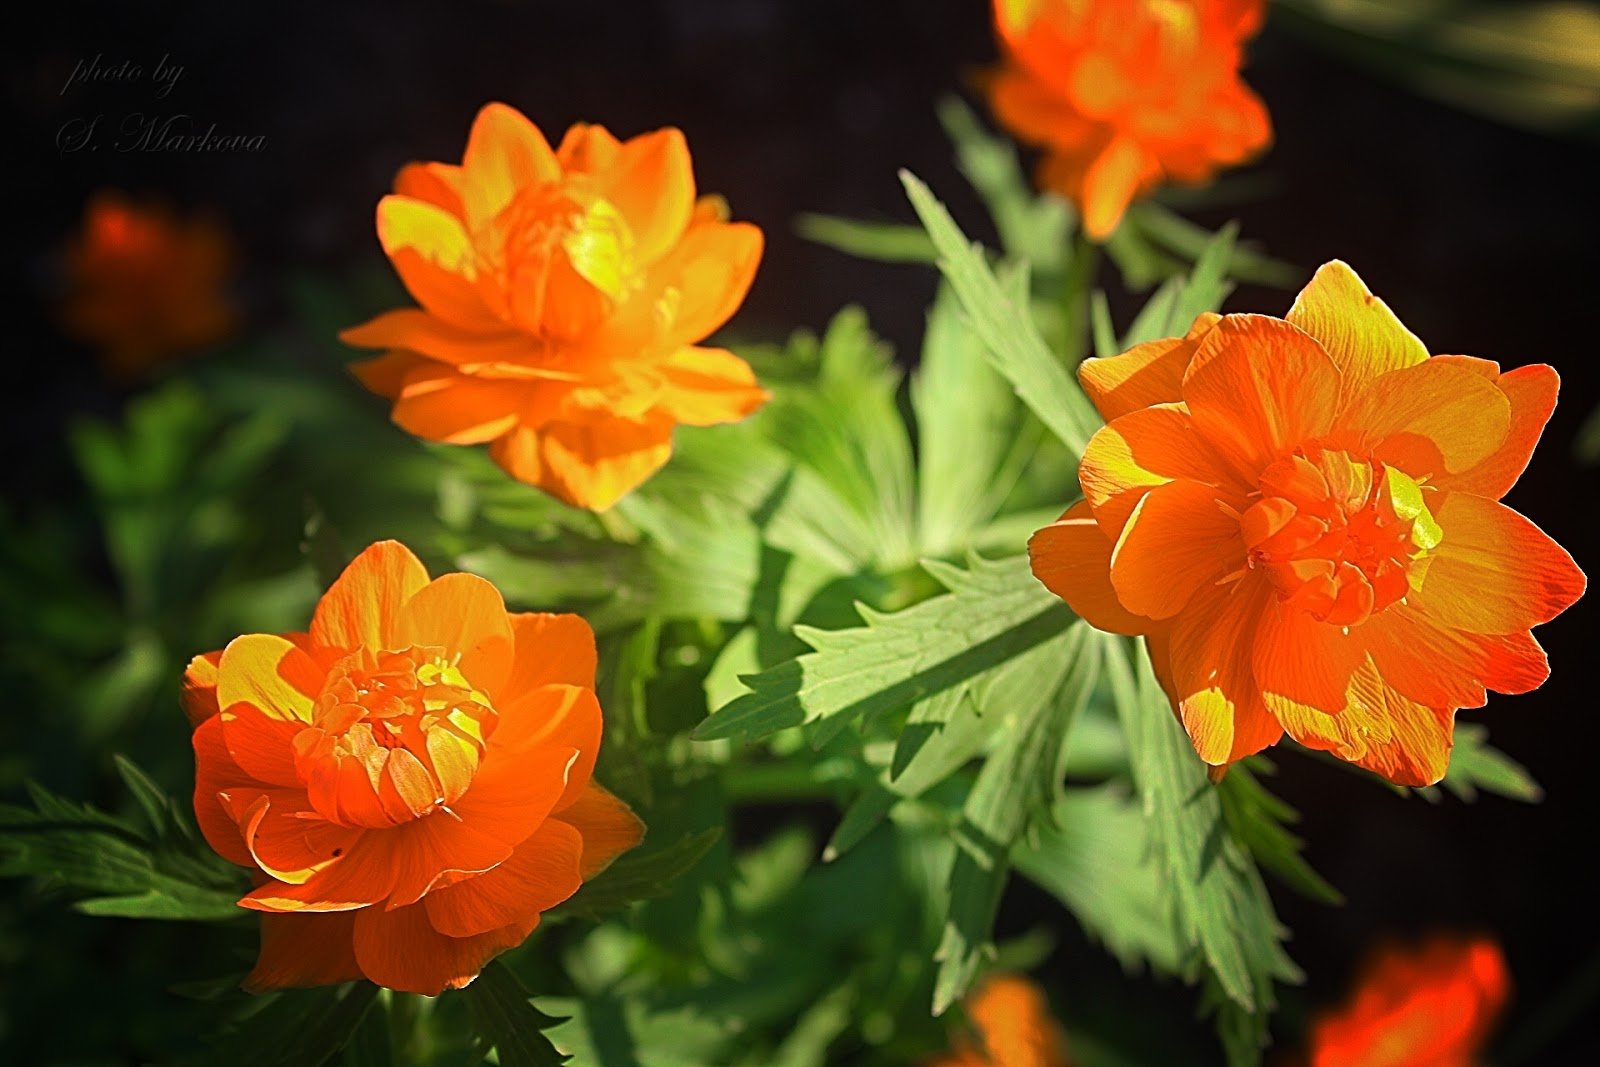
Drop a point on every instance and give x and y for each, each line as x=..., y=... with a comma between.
x=1481, y=236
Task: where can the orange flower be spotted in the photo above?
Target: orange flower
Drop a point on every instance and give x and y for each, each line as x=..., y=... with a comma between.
x=1432, y=1007
x=145, y=286
x=1013, y=1020
x=563, y=295
x=411, y=779
x=1302, y=517
x=1125, y=94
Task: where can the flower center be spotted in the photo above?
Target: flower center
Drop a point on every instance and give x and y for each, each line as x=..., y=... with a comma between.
x=566, y=258
x=394, y=735
x=1340, y=537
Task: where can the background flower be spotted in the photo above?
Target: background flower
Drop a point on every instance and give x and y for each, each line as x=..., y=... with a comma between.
x=1123, y=95
x=1431, y=1005
x=411, y=778
x=1014, y=1026
x=144, y=285
x=563, y=295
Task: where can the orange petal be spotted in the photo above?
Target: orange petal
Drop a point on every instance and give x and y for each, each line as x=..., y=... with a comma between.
x=270, y=674
x=1495, y=572
x=551, y=719
x=386, y=374
x=592, y=463
x=607, y=825
x=1143, y=449
x=1531, y=392
x=550, y=649
x=261, y=744
x=1212, y=649
x=706, y=386
x=1072, y=557
x=1379, y=729
x=215, y=772
x=418, y=331
x=515, y=790
x=588, y=149
x=200, y=687
x=1300, y=661
x=1430, y=418
x=707, y=276
x=1146, y=374
x=1356, y=328
x=518, y=454
x=304, y=950
x=435, y=259
x=464, y=615
x=1442, y=667
x=1257, y=387
x=541, y=873
x=361, y=608
x=652, y=183
x=436, y=183
x=505, y=153
x=1178, y=540
x=1110, y=184
x=438, y=404
x=401, y=950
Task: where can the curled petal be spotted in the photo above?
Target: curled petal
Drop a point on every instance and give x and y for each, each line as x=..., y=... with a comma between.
x=1531, y=393
x=216, y=774
x=435, y=259
x=550, y=650
x=1179, y=539
x=707, y=386
x=1379, y=728
x=466, y=616
x=505, y=152
x=1429, y=419
x=652, y=184
x=200, y=687
x=1212, y=675
x=1144, y=449
x=595, y=459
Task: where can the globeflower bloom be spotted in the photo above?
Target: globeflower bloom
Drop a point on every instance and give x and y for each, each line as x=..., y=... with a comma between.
x=1123, y=95
x=563, y=297
x=1014, y=1024
x=410, y=781
x=1432, y=1006
x=145, y=286
x=1302, y=517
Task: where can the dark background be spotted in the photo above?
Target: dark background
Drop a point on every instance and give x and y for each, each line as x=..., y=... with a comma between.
x=1481, y=236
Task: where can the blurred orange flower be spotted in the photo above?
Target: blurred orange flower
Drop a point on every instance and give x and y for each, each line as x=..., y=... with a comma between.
x=411, y=779
x=1302, y=517
x=1125, y=94
x=1430, y=1007
x=144, y=286
x=1012, y=1019
x=563, y=295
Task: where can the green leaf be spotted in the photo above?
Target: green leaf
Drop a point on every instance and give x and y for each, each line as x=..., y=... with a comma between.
x=120, y=871
x=1030, y=705
x=887, y=242
x=1218, y=902
x=295, y=1028
x=1032, y=229
x=1475, y=765
x=1094, y=857
x=1172, y=231
x=967, y=427
x=638, y=876
x=993, y=612
x=1257, y=819
x=504, y=1014
x=1010, y=338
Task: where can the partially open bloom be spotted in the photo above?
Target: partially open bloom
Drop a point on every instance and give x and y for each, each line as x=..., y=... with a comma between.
x=410, y=780
x=1123, y=95
x=145, y=286
x=1432, y=1006
x=1302, y=516
x=563, y=297
x=1013, y=1022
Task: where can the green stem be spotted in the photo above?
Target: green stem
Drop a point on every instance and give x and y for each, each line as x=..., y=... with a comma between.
x=1076, y=281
